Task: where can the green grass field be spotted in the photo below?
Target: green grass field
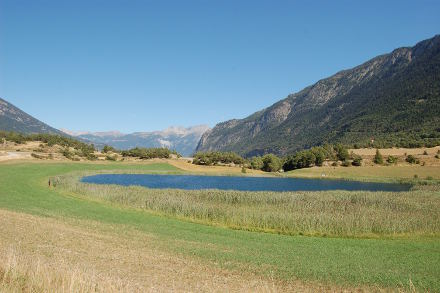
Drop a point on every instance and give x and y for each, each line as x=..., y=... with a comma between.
x=351, y=262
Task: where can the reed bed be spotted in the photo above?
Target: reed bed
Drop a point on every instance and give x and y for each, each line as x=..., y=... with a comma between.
x=329, y=213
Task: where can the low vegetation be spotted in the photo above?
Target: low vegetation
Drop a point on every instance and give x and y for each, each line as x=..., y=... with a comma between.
x=376, y=263
x=335, y=213
x=149, y=153
x=215, y=158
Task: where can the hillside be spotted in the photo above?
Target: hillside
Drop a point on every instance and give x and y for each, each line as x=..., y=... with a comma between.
x=183, y=140
x=393, y=99
x=14, y=119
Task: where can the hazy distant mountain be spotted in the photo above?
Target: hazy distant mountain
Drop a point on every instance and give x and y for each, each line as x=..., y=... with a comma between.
x=392, y=98
x=183, y=140
x=14, y=119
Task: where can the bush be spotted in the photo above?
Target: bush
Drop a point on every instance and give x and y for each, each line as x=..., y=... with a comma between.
x=110, y=158
x=107, y=149
x=345, y=163
x=271, y=163
x=148, y=153
x=392, y=160
x=257, y=163
x=378, y=159
x=214, y=158
x=341, y=152
x=411, y=159
x=305, y=159
x=357, y=160
x=425, y=153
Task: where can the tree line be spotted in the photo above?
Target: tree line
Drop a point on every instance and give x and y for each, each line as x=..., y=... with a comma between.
x=301, y=159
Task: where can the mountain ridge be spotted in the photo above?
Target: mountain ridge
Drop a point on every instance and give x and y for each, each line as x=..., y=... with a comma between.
x=14, y=119
x=353, y=96
x=182, y=139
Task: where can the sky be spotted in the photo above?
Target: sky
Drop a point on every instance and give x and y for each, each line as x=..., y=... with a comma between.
x=147, y=65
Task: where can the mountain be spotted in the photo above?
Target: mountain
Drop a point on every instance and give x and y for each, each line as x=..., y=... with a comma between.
x=14, y=119
x=183, y=140
x=393, y=99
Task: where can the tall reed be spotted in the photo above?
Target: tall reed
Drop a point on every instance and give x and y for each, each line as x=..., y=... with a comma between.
x=333, y=213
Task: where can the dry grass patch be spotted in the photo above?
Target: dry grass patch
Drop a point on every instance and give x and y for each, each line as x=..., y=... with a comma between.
x=45, y=255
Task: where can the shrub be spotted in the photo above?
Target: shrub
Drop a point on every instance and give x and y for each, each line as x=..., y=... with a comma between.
x=345, y=163
x=107, y=149
x=213, y=158
x=391, y=160
x=243, y=169
x=357, y=160
x=378, y=159
x=37, y=156
x=257, y=163
x=425, y=153
x=341, y=152
x=334, y=164
x=110, y=158
x=411, y=159
x=148, y=153
x=271, y=163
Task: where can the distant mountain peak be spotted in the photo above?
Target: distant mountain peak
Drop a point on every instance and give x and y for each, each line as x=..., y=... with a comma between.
x=183, y=139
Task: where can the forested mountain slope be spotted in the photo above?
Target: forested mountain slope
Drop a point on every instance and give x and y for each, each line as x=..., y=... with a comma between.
x=393, y=99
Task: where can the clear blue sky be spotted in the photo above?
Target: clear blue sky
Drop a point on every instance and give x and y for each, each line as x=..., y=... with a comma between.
x=146, y=65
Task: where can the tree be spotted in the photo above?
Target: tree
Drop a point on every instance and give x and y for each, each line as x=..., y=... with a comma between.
x=341, y=152
x=257, y=163
x=271, y=163
x=378, y=159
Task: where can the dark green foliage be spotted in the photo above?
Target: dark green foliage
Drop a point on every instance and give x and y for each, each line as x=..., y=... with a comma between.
x=412, y=160
x=345, y=163
x=243, y=169
x=271, y=163
x=148, y=153
x=378, y=158
x=341, y=152
x=357, y=160
x=391, y=160
x=214, y=158
x=107, y=149
x=257, y=163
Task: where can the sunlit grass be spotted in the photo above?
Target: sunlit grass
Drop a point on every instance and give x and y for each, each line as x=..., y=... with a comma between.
x=331, y=213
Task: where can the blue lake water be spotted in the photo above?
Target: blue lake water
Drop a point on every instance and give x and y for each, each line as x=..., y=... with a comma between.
x=193, y=182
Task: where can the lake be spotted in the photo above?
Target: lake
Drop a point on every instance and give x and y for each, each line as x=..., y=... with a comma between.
x=194, y=182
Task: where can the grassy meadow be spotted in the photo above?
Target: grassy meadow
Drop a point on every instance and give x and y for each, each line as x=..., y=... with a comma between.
x=329, y=213
x=378, y=240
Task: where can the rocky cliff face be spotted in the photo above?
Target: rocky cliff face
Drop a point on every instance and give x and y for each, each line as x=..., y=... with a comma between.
x=373, y=99
x=14, y=119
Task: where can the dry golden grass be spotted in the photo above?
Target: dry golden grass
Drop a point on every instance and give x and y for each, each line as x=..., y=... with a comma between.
x=184, y=165
x=374, y=173
x=48, y=255
x=429, y=160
